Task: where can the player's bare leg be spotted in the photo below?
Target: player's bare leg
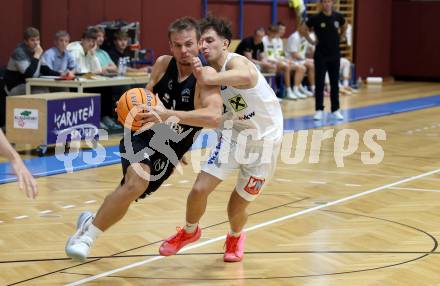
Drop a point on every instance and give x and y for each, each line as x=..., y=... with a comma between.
x=111, y=211
x=195, y=208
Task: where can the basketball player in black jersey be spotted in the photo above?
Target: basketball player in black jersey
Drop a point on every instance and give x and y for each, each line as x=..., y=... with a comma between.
x=149, y=158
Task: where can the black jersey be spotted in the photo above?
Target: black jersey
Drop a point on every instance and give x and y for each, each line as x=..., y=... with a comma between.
x=327, y=31
x=164, y=144
x=178, y=96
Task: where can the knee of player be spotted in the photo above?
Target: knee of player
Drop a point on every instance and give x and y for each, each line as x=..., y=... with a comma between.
x=135, y=184
x=199, y=190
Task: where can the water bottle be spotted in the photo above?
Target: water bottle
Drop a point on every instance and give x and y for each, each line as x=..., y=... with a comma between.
x=125, y=65
x=121, y=66
x=359, y=83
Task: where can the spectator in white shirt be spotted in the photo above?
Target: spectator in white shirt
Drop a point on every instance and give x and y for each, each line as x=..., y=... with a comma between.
x=84, y=53
x=273, y=48
x=296, y=50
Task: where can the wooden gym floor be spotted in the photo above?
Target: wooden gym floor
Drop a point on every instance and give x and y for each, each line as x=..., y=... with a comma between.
x=315, y=224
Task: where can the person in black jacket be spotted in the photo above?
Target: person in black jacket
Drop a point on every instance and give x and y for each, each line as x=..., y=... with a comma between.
x=24, y=63
x=328, y=26
x=252, y=48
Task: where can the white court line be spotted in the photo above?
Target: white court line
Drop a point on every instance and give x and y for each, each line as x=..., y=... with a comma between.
x=21, y=217
x=90, y=202
x=257, y=226
x=68, y=206
x=283, y=180
x=352, y=185
x=339, y=172
x=415, y=189
x=46, y=212
x=318, y=182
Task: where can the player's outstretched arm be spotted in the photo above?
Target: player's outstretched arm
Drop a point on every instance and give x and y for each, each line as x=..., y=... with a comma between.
x=207, y=113
x=239, y=73
x=208, y=108
x=25, y=179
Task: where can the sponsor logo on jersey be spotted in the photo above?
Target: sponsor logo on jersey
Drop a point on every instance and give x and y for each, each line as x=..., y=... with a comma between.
x=170, y=84
x=254, y=185
x=238, y=103
x=323, y=25
x=185, y=95
x=336, y=24
x=176, y=127
x=158, y=165
x=186, y=91
x=214, y=155
x=247, y=116
x=166, y=97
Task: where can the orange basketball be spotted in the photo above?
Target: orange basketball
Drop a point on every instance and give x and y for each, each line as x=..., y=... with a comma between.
x=127, y=102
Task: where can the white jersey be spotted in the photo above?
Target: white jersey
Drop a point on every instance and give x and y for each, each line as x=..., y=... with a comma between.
x=255, y=108
x=273, y=48
x=297, y=44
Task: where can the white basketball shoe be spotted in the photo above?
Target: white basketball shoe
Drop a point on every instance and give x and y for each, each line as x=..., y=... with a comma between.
x=78, y=245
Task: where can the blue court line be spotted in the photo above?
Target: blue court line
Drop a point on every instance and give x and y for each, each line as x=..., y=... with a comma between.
x=50, y=165
x=362, y=113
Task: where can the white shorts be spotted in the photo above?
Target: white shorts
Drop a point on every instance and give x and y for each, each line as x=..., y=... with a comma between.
x=301, y=62
x=256, y=162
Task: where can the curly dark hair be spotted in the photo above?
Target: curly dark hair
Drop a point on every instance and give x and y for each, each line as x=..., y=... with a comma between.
x=221, y=26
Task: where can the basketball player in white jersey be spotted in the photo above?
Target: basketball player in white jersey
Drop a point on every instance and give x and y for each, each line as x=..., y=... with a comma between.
x=250, y=107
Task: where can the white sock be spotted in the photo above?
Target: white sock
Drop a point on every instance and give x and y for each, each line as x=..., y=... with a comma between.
x=345, y=83
x=190, y=227
x=289, y=89
x=234, y=234
x=93, y=232
x=295, y=89
x=313, y=88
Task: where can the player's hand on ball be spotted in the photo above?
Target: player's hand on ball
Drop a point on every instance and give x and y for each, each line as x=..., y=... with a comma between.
x=152, y=114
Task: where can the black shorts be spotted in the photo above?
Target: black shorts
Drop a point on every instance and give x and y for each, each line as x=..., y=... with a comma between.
x=160, y=167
